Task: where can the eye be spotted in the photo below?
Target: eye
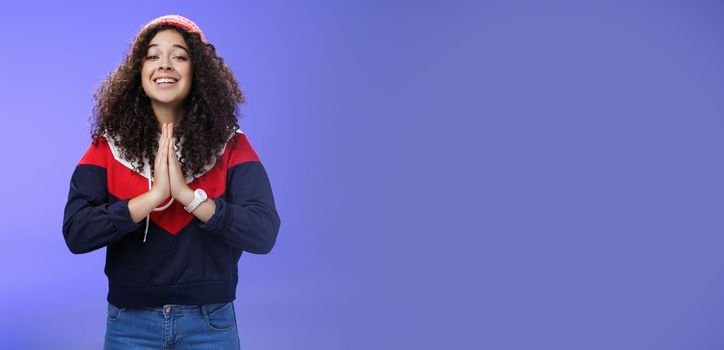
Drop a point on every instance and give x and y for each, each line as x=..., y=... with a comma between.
x=180, y=58
x=151, y=57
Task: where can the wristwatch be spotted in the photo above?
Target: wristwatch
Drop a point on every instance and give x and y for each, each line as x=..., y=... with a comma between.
x=199, y=197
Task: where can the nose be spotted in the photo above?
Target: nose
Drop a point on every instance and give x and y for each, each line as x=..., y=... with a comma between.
x=164, y=65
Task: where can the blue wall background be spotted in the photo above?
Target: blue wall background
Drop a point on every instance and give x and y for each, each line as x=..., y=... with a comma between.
x=450, y=174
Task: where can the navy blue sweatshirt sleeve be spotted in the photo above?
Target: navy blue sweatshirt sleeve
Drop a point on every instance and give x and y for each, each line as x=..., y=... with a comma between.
x=89, y=220
x=247, y=219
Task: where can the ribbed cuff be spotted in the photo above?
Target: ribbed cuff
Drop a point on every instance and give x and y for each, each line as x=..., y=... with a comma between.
x=219, y=222
x=121, y=217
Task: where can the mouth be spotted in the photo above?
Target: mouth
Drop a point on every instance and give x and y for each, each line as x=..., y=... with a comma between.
x=165, y=81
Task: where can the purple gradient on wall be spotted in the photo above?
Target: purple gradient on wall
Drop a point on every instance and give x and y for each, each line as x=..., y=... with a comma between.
x=450, y=175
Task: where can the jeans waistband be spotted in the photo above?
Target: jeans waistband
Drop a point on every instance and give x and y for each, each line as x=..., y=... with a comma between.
x=178, y=309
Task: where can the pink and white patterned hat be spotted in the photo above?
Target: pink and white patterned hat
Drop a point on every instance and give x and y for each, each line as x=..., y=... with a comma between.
x=176, y=21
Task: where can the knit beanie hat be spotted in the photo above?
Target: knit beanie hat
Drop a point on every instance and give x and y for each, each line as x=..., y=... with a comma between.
x=172, y=20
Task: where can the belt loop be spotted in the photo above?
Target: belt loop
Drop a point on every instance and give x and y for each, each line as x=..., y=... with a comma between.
x=203, y=311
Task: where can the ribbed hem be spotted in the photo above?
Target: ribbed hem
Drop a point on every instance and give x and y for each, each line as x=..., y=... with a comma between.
x=195, y=293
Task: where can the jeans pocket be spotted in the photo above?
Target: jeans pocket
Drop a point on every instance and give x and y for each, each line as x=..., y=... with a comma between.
x=114, y=312
x=220, y=317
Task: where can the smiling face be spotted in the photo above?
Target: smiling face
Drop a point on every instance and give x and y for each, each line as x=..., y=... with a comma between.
x=166, y=71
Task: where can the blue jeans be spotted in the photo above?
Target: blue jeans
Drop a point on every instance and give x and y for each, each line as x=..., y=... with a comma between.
x=177, y=327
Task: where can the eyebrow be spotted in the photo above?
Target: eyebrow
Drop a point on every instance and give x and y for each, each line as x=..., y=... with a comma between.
x=174, y=45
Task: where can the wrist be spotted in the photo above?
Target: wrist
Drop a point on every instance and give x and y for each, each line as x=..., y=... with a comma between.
x=156, y=197
x=200, y=196
x=185, y=196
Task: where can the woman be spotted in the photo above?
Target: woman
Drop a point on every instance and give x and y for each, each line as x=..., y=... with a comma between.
x=174, y=231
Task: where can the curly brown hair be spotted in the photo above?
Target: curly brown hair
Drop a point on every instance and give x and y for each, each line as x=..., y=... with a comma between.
x=123, y=111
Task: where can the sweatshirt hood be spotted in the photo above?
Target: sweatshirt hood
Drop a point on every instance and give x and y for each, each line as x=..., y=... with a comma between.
x=113, y=144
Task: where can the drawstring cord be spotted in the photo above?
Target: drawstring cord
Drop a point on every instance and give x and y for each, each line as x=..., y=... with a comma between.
x=148, y=217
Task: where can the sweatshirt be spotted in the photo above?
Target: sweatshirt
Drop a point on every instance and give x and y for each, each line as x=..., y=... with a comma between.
x=171, y=257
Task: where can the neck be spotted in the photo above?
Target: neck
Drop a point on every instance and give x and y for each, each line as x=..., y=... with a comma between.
x=167, y=114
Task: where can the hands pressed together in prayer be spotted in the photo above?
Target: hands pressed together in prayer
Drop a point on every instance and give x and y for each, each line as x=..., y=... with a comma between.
x=168, y=180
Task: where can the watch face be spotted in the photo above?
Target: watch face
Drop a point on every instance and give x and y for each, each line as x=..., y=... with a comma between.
x=201, y=194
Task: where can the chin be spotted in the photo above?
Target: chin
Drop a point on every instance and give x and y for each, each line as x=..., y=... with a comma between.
x=167, y=97
x=166, y=102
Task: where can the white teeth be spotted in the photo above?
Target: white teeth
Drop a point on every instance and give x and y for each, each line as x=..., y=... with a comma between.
x=165, y=81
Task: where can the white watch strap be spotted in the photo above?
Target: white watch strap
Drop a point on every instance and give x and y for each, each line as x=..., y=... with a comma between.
x=194, y=203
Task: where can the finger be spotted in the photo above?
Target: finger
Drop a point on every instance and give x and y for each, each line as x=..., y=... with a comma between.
x=169, y=132
x=159, y=153
x=163, y=149
x=161, y=140
x=171, y=151
x=171, y=142
x=173, y=158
